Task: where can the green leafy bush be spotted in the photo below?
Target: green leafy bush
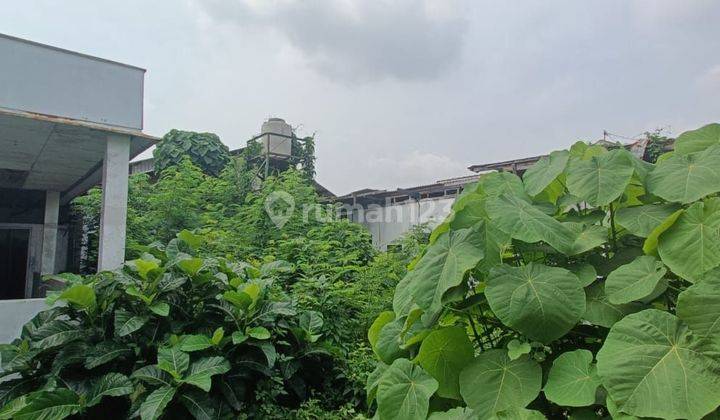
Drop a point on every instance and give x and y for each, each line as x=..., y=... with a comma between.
x=170, y=335
x=590, y=288
x=205, y=150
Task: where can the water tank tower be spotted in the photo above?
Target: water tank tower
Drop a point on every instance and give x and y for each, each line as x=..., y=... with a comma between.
x=276, y=138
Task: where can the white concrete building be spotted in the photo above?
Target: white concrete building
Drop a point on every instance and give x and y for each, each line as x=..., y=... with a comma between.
x=68, y=121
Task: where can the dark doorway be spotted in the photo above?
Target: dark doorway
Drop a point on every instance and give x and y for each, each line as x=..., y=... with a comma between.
x=13, y=262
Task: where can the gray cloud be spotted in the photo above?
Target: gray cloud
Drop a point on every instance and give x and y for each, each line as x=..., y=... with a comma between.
x=357, y=40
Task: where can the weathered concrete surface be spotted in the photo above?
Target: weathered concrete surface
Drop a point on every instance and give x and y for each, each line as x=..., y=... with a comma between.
x=113, y=216
x=50, y=232
x=15, y=313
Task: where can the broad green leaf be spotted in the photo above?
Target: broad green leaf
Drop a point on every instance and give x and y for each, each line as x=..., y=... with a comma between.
x=492, y=382
x=542, y=302
x=105, y=352
x=311, y=322
x=698, y=140
x=194, y=241
x=600, y=180
x=516, y=349
x=197, y=342
x=545, y=171
x=686, y=178
x=173, y=361
x=56, y=333
x=154, y=405
x=586, y=237
x=144, y=267
x=404, y=392
x=373, y=380
x=441, y=268
x=80, y=295
x=260, y=333
x=190, y=266
x=691, y=246
x=109, y=385
x=599, y=310
x=525, y=222
x=585, y=272
x=518, y=414
x=652, y=366
x=202, y=371
x=573, y=379
x=387, y=347
x=239, y=337
x=49, y=405
x=615, y=414
x=458, y=413
x=642, y=220
x=635, y=281
x=153, y=375
x=9, y=410
x=127, y=322
x=382, y=319
x=268, y=350
x=496, y=184
x=584, y=151
x=240, y=299
x=699, y=307
x=217, y=336
x=651, y=243
x=199, y=405
x=443, y=354
x=160, y=308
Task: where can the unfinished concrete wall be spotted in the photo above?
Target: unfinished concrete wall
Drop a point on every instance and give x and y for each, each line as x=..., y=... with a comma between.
x=388, y=223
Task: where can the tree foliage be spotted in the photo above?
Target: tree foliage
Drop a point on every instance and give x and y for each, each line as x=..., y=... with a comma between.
x=587, y=289
x=205, y=150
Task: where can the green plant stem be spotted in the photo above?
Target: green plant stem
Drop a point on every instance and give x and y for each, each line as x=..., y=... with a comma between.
x=475, y=333
x=612, y=227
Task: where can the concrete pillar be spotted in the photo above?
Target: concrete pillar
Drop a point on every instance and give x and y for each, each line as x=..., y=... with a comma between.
x=50, y=232
x=113, y=215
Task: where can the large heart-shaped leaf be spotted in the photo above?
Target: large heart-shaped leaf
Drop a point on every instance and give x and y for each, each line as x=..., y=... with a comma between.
x=492, y=382
x=458, y=413
x=698, y=140
x=56, y=404
x=573, y=379
x=686, y=178
x=641, y=220
x=496, y=184
x=527, y=223
x=653, y=366
x=154, y=405
x=586, y=237
x=443, y=354
x=691, y=246
x=542, y=302
x=202, y=371
x=599, y=310
x=699, y=307
x=441, y=268
x=404, y=392
x=601, y=179
x=153, y=376
x=635, y=281
x=387, y=346
x=544, y=171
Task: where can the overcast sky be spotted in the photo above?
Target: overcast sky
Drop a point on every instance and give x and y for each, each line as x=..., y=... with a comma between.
x=403, y=92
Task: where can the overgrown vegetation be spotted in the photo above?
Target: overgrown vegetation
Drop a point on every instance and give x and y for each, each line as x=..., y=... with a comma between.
x=588, y=289
x=205, y=150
